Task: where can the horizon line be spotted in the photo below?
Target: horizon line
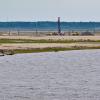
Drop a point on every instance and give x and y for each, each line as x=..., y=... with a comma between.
x=51, y=21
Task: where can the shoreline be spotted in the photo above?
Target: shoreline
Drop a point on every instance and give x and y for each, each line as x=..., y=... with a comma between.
x=12, y=44
x=38, y=50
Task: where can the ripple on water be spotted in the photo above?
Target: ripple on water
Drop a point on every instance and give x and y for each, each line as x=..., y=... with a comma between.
x=71, y=75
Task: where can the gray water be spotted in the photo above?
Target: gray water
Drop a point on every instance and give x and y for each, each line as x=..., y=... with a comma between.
x=71, y=75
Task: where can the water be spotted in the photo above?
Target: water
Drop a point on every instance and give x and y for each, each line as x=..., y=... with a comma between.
x=71, y=75
x=49, y=26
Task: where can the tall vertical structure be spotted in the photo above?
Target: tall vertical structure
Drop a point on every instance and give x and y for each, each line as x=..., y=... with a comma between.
x=36, y=28
x=59, y=26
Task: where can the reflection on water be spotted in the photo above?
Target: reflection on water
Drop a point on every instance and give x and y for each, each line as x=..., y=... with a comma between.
x=71, y=75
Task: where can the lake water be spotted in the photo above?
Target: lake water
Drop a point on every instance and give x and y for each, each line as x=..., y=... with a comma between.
x=70, y=75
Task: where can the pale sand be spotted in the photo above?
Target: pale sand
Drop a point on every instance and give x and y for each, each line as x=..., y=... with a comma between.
x=46, y=45
x=52, y=37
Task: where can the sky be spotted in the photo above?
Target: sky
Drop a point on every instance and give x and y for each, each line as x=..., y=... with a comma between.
x=49, y=10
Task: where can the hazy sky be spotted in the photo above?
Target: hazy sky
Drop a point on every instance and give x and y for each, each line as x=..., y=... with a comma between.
x=34, y=10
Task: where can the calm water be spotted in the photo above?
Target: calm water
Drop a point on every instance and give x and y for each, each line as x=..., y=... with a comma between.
x=71, y=75
x=49, y=26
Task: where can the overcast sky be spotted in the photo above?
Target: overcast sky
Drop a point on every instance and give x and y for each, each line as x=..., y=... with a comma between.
x=34, y=10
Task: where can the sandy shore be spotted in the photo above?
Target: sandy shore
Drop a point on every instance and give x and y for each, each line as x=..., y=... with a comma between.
x=46, y=45
x=28, y=46
x=52, y=37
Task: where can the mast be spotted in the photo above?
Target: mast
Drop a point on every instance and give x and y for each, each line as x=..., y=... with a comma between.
x=59, y=26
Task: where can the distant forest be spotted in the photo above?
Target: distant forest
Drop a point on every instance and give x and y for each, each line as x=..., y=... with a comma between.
x=46, y=25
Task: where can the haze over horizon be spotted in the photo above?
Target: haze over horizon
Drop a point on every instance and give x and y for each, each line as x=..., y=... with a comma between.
x=49, y=10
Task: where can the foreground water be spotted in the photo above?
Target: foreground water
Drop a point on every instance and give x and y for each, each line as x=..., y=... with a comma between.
x=71, y=75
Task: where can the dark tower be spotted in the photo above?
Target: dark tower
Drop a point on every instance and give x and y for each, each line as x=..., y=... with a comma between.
x=59, y=26
x=36, y=28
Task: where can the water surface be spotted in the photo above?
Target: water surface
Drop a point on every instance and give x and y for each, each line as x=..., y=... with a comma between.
x=71, y=75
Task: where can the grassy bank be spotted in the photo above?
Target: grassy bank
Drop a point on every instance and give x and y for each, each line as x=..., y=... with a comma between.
x=31, y=48
x=37, y=50
x=54, y=49
x=4, y=41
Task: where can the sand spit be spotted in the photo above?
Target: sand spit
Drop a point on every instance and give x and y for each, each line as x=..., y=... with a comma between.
x=58, y=46
x=45, y=45
x=52, y=37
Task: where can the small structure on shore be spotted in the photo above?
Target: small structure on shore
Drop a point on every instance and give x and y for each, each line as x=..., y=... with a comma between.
x=87, y=33
x=75, y=34
x=59, y=27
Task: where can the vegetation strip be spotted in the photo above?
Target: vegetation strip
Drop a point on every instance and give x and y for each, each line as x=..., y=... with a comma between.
x=55, y=49
x=4, y=41
x=46, y=49
x=36, y=50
